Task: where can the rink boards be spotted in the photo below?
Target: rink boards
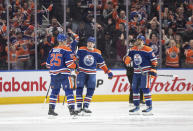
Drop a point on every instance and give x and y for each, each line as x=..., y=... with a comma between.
x=18, y=87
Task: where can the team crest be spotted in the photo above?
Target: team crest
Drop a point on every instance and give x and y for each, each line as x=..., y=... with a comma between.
x=89, y=60
x=137, y=59
x=173, y=55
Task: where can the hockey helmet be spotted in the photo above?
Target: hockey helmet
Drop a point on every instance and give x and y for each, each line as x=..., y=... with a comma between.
x=91, y=39
x=61, y=37
x=141, y=37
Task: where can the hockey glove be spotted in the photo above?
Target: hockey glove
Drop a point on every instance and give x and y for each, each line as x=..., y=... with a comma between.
x=110, y=75
x=153, y=73
x=77, y=71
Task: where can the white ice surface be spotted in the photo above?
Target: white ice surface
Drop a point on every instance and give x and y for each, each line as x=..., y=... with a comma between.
x=106, y=116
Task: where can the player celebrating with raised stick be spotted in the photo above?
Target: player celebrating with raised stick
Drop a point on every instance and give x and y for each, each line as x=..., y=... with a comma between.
x=60, y=62
x=89, y=58
x=144, y=63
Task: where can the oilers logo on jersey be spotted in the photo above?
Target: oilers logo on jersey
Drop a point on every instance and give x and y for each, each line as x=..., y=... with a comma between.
x=173, y=54
x=137, y=59
x=89, y=60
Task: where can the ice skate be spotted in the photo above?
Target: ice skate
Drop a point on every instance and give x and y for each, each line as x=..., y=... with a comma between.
x=86, y=112
x=79, y=111
x=134, y=111
x=147, y=111
x=72, y=112
x=51, y=111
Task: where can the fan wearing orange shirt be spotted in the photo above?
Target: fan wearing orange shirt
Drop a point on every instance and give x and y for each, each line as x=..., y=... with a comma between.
x=172, y=55
x=189, y=56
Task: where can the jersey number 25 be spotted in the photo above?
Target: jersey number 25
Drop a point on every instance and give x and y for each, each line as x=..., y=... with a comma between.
x=55, y=60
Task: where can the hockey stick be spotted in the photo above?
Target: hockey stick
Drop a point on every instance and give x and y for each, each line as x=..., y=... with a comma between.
x=47, y=94
x=64, y=99
x=167, y=75
x=142, y=72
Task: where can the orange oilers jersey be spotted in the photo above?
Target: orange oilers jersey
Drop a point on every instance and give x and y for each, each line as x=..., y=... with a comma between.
x=189, y=56
x=118, y=20
x=12, y=55
x=22, y=50
x=172, y=57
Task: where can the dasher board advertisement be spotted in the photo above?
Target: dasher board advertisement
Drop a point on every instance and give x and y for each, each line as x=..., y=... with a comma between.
x=32, y=86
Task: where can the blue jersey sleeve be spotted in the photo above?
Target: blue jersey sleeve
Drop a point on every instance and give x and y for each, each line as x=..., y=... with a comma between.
x=68, y=58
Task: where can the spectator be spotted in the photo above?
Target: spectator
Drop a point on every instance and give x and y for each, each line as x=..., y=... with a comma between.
x=82, y=33
x=154, y=44
x=187, y=35
x=172, y=55
x=153, y=26
x=76, y=12
x=108, y=11
x=121, y=18
x=12, y=57
x=189, y=56
x=180, y=20
x=179, y=44
x=22, y=52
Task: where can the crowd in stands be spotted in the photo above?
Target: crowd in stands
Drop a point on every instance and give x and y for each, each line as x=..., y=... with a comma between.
x=169, y=32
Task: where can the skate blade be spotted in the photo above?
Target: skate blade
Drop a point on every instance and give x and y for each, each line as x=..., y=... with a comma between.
x=86, y=114
x=75, y=117
x=134, y=113
x=80, y=114
x=147, y=113
x=52, y=117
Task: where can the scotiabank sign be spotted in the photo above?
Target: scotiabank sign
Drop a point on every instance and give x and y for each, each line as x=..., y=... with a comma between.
x=36, y=83
x=28, y=83
x=15, y=86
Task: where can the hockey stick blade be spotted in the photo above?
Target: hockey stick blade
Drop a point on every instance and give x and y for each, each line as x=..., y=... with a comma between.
x=168, y=75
